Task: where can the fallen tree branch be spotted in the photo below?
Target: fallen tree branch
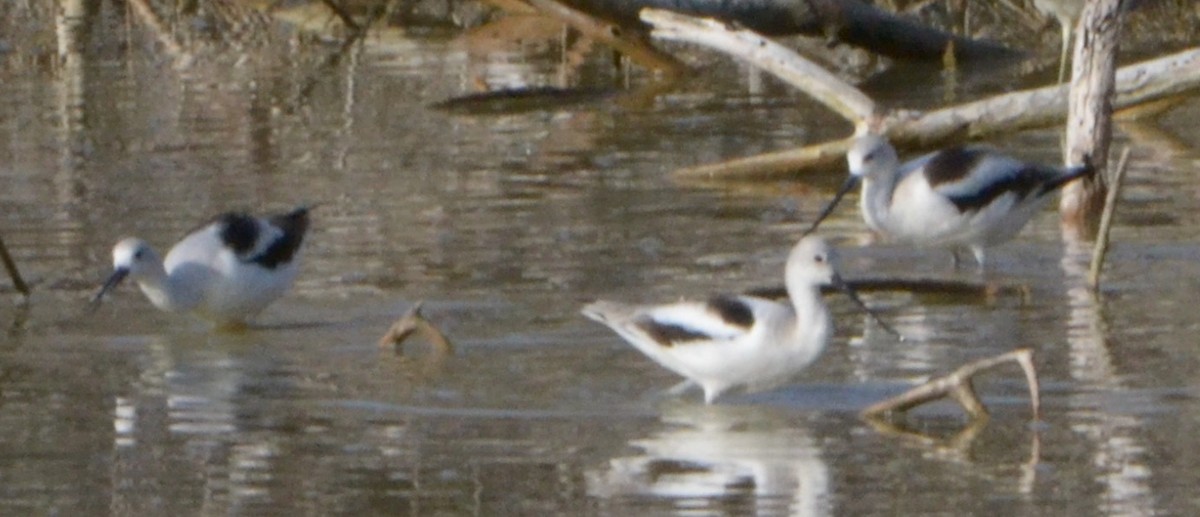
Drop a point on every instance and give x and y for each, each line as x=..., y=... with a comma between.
x=853, y=22
x=1149, y=81
x=955, y=446
x=792, y=68
x=958, y=385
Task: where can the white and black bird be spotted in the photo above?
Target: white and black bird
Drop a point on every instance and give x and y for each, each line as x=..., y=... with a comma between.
x=973, y=196
x=226, y=271
x=736, y=340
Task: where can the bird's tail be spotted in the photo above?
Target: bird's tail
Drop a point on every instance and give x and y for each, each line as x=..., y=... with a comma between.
x=1070, y=174
x=294, y=223
x=607, y=312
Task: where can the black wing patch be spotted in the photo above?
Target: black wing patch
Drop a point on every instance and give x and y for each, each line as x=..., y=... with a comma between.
x=1021, y=183
x=951, y=165
x=241, y=233
x=732, y=311
x=956, y=163
x=669, y=335
x=238, y=231
x=294, y=225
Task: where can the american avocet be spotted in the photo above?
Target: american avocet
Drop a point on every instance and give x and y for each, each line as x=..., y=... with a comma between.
x=731, y=341
x=970, y=197
x=226, y=271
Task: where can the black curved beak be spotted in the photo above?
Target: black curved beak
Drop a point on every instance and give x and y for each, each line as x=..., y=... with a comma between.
x=845, y=288
x=118, y=275
x=846, y=187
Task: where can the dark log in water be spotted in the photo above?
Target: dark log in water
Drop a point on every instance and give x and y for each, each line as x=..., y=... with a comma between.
x=845, y=21
x=948, y=289
x=503, y=102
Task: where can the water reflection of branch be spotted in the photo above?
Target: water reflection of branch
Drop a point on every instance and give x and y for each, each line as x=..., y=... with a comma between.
x=1118, y=449
x=165, y=36
x=344, y=15
x=630, y=42
x=1155, y=144
x=332, y=59
x=955, y=446
x=20, y=322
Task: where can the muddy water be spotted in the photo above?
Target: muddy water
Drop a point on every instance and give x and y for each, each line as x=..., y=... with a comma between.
x=504, y=224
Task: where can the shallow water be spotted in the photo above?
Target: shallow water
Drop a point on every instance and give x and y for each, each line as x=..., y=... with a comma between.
x=504, y=225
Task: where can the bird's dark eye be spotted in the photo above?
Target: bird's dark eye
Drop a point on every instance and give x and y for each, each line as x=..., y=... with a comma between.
x=137, y=255
x=869, y=157
x=819, y=259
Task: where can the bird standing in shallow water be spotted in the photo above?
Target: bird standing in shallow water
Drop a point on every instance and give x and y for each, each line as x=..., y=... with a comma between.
x=731, y=341
x=226, y=271
x=972, y=197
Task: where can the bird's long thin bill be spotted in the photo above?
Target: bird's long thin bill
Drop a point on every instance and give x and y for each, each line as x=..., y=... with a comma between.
x=112, y=282
x=846, y=187
x=841, y=284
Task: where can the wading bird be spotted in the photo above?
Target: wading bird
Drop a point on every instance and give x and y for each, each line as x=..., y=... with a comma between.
x=729, y=341
x=972, y=197
x=226, y=271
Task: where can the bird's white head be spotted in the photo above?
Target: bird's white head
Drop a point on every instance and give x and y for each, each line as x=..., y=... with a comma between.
x=132, y=257
x=811, y=263
x=136, y=256
x=871, y=156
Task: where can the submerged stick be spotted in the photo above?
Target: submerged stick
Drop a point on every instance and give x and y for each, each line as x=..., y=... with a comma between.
x=958, y=385
x=412, y=322
x=1110, y=207
x=13, y=272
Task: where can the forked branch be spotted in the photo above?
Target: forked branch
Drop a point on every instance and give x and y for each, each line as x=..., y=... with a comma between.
x=413, y=322
x=958, y=385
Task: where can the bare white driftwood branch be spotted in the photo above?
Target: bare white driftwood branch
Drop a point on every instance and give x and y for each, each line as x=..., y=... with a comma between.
x=958, y=385
x=1149, y=81
x=1090, y=115
x=772, y=57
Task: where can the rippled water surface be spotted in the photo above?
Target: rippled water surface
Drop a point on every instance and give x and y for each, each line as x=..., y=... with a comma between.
x=504, y=224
